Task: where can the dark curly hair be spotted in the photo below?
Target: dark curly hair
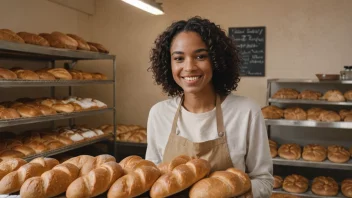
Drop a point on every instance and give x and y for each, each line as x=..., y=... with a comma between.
x=223, y=54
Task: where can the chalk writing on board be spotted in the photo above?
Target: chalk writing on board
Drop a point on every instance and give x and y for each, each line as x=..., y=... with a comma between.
x=251, y=43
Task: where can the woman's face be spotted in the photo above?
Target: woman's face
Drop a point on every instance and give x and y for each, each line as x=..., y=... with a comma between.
x=190, y=63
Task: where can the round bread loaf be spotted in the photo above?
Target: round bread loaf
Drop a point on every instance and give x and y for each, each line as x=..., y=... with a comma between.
x=278, y=181
x=348, y=95
x=338, y=154
x=286, y=93
x=309, y=95
x=273, y=148
x=348, y=118
x=314, y=152
x=33, y=39
x=325, y=186
x=344, y=113
x=7, y=74
x=290, y=151
x=314, y=113
x=329, y=116
x=346, y=187
x=295, y=184
x=334, y=96
x=272, y=112
x=295, y=113
x=28, y=111
x=25, y=74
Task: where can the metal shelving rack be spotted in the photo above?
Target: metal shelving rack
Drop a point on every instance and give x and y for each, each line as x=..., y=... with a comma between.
x=16, y=51
x=306, y=84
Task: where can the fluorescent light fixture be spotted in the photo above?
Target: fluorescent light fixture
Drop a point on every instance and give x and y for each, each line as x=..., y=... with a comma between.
x=146, y=5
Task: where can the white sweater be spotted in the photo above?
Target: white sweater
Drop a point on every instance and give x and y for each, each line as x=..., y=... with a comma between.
x=245, y=129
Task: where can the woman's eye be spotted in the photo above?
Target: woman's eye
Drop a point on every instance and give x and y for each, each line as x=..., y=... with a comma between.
x=202, y=57
x=178, y=58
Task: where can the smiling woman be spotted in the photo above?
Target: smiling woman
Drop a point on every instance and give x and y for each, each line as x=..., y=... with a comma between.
x=198, y=66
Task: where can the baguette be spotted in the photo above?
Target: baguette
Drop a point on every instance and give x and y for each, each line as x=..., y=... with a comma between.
x=222, y=184
x=180, y=178
x=96, y=181
x=10, y=165
x=166, y=167
x=141, y=174
x=50, y=183
x=13, y=181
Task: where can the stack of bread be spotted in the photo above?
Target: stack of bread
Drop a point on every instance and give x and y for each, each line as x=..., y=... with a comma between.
x=311, y=152
x=321, y=185
x=55, y=39
x=30, y=107
x=18, y=73
x=131, y=133
x=315, y=114
x=330, y=95
x=88, y=176
x=35, y=142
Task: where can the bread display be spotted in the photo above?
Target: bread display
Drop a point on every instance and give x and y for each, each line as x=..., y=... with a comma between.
x=82, y=44
x=180, y=178
x=13, y=181
x=10, y=165
x=34, y=39
x=325, y=186
x=338, y=154
x=295, y=113
x=309, y=95
x=346, y=187
x=329, y=116
x=290, y=151
x=272, y=112
x=229, y=183
x=314, y=152
x=7, y=74
x=273, y=148
x=334, y=96
x=286, y=93
x=166, y=167
x=348, y=95
x=277, y=181
x=295, y=184
x=8, y=35
x=140, y=176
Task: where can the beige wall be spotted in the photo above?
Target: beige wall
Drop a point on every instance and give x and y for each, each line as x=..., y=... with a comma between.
x=304, y=37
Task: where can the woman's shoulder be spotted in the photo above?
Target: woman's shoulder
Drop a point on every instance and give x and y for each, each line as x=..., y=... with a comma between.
x=165, y=106
x=241, y=104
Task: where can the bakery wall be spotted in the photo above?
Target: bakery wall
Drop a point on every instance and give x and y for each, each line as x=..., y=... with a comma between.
x=304, y=37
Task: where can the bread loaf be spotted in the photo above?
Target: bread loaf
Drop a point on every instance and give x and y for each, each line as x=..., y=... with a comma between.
x=9, y=154
x=346, y=187
x=272, y=112
x=98, y=46
x=33, y=39
x=290, y=151
x=82, y=44
x=10, y=165
x=96, y=182
x=7, y=74
x=28, y=111
x=166, y=167
x=314, y=113
x=13, y=181
x=93, y=48
x=51, y=183
x=338, y=154
x=348, y=95
x=60, y=73
x=25, y=74
x=286, y=93
x=8, y=35
x=222, y=184
x=329, y=116
x=295, y=113
x=309, y=95
x=334, y=96
x=325, y=186
x=9, y=113
x=344, y=113
x=44, y=75
x=314, y=152
x=295, y=184
x=140, y=176
x=273, y=148
x=180, y=178
x=278, y=181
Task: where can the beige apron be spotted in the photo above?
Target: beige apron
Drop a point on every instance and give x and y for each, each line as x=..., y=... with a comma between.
x=215, y=151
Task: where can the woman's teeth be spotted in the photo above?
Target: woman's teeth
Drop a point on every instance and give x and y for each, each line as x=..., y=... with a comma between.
x=191, y=78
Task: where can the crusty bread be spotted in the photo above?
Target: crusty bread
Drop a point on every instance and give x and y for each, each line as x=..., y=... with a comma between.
x=229, y=183
x=346, y=187
x=93, y=48
x=96, y=182
x=10, y=165
x=44, y=75
x=9, y=154
x=25, y=74
x=62, y=107
x=60, y=73
x=51, y=183
x=334, y=96
x=286, y=93
x=344, y=113
x=325, y=186
x=272, y=112
x=13, y=181
x=98, y=46
x=9, y=113
x=348, y=95
x=140, y=176
x=24, y=149
x=34, y=39
x=295, y=184
x=273, y=148
x=314, y=152
x=314, y=113
x=309, y=95
x=180, y=178
x=338, y=154
x=28, y=111
x=60, y=40
x=166, y=167
x=329, y=116
x=290, y=151
x=8, y=35
x=295, y=113
x=278, y=181
x=82, y=44
x=7, y=74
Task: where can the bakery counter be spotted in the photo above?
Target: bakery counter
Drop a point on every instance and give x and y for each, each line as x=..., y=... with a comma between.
x=20, y=50
x=316, y=102
x=306, y=194
x=309, y=123
x=59, y=116
x=48, y=83
x=324, y=164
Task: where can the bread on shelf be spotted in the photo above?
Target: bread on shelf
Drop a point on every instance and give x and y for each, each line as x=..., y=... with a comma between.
x=329, y=116
x=278, y=181
x=295, y=113
x=272, y=112
x=309, y=95
x=34, y=39
x=338, y=154
x=9, y=35
x=273, y=148
x=290, y=151
x=314, y=152
x=314, y=113
x=348, y=95
x=82, y=44
x=99, y=47
x=25, y=74
x=334, y=96
x=7, y=74
x=325, y=186
x=286, y=93
x=295, y=184
x=346, y=187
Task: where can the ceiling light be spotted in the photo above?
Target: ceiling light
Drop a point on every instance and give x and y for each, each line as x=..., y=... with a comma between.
x=147, y=5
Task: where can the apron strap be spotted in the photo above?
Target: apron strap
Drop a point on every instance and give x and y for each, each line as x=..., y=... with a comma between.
x=174, y=123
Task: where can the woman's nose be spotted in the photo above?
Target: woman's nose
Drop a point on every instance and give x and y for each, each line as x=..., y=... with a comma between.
x=190, y=65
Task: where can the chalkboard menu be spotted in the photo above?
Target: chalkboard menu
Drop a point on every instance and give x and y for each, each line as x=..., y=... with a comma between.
x=251, y=43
